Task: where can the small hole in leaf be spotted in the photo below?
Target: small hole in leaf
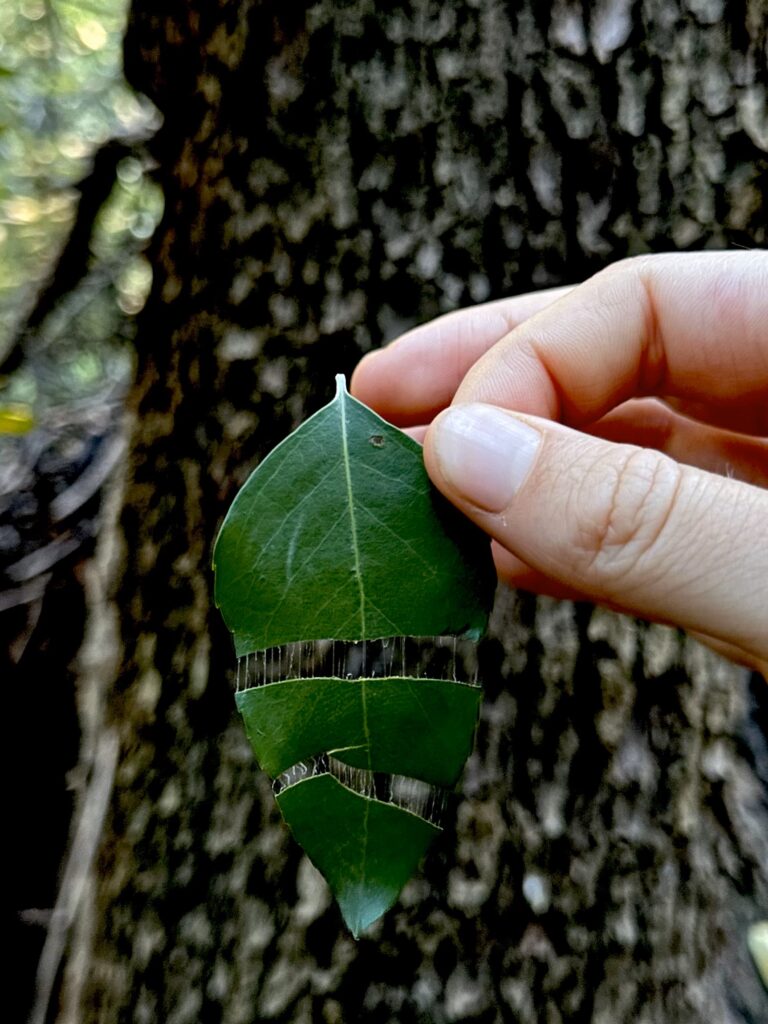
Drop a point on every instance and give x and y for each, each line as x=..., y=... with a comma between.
x=376, y=440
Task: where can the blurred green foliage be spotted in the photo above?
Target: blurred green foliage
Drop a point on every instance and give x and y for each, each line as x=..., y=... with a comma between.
x=61, y=96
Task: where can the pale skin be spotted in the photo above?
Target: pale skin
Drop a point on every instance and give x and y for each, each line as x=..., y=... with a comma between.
x=612, y=438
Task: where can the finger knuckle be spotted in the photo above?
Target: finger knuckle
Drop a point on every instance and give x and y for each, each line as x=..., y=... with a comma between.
x=627, y=499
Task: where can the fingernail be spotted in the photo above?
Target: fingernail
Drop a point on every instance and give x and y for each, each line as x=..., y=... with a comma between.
x=484, y=453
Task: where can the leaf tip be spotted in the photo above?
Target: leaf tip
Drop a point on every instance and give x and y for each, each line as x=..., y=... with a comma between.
x=341, y=385
x=358, y=916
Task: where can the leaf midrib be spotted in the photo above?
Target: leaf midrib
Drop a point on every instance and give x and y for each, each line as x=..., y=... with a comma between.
x=351, y=501
x=361, y=589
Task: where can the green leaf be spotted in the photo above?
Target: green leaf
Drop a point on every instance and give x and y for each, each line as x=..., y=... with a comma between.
x=339, y=536
x=367, y=850
x=339, y=533
x=421, y=728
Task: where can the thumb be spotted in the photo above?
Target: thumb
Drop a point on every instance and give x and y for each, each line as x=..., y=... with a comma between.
x=619, y=524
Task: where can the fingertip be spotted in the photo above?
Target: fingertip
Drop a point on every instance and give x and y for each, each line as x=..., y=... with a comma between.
x=398, y=384
x=481, y=454
x=362, y=376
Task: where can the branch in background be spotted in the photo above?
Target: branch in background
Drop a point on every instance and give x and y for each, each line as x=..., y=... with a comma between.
x=73, y=262
x=75, y=878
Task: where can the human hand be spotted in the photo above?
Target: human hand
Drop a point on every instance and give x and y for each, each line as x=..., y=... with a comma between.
x=538, y=425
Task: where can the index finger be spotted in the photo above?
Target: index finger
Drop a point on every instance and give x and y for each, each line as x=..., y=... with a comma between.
x=692, y=327
x=415, y=377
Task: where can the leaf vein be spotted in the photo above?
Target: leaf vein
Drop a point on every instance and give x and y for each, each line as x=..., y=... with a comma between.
x=351, y=506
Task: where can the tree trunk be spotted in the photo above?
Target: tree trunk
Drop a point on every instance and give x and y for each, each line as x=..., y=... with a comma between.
x=334, y=174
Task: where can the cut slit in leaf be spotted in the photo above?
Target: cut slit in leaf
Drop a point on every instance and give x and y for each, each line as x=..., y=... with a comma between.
x=339, y=536
x=438, y=657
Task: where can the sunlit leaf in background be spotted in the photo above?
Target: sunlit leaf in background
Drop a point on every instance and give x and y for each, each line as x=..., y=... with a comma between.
x=16, y=418
x=62, y=95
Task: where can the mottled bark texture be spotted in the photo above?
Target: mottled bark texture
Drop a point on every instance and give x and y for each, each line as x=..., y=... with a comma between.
x=333, y=174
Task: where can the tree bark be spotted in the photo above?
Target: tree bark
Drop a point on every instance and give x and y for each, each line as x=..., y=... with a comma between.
x=334, y=174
